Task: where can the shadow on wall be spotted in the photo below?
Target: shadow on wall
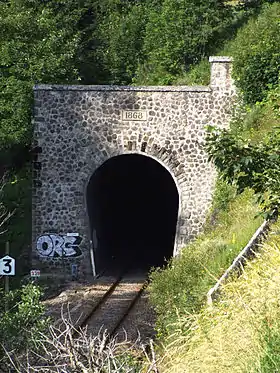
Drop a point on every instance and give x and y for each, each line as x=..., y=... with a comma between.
x=132, y=203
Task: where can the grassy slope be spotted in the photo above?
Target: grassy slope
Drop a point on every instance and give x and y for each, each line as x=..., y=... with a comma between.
x=241, y=332
x=182, y=286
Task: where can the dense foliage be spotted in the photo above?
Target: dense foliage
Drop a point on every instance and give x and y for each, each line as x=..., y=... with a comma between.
x=37, y=45
x=121, y=32
x=178, y=34
x=254, y=166
x=21, y=319
x=256, y=52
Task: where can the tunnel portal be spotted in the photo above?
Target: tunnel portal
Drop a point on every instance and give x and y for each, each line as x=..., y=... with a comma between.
x=132, y=203
x=99, y=171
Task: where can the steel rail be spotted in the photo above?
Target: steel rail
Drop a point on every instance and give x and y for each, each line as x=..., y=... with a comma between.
x=100, y=302
x=129, y=308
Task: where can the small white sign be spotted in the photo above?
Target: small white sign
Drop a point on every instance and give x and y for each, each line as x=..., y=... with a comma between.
x=7, y=266
x=35, y=273
x=134, y=115
x=72, y=234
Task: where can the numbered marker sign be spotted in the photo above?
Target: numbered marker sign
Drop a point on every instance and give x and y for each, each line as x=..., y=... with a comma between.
x=35, y=273
x=7, y=266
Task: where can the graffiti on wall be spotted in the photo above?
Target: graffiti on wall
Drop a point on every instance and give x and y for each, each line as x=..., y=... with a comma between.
x=56, y=245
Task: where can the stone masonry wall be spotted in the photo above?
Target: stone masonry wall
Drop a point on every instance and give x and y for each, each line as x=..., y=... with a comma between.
x=78, y=128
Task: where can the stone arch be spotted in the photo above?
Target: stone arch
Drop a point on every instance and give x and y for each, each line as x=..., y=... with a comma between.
x=150, y=164
x=170, y=163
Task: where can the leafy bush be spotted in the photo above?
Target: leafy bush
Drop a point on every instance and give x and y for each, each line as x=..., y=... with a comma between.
x=23, y=319
x=224, y=194
x=254, y=166
x=254, y=122
x=197, y=75
x=256, y=52
x=121, y=32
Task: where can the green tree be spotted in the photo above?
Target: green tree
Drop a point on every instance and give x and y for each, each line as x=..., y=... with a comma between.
x=121, y=32
x=255, y=166
x=178, y=34
x=256, y=52
x=37, y=45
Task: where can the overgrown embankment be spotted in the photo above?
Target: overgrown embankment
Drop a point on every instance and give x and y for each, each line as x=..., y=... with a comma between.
x=182, y=287
x=158, y=42
x=240, y=333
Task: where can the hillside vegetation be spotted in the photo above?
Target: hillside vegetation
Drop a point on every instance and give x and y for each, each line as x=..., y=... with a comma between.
x=182, y=287
x=92, y=42
x=89, y=42
x=240, y=333
x=163, y=42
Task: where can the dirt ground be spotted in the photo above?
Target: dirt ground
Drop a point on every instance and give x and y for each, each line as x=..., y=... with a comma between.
x=75, y=301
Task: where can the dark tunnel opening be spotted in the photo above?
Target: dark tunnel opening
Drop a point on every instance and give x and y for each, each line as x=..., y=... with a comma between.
x=132, y=203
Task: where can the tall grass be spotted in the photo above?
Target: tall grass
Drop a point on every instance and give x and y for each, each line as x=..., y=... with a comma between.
x=241, y=332
x=182, y=286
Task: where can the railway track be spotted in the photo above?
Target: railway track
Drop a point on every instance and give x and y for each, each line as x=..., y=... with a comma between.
x=113, y=308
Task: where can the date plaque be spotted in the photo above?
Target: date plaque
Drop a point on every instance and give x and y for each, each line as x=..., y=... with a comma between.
x=129, y=115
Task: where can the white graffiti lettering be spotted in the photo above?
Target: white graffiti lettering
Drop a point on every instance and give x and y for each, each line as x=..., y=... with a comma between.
x=54, y=245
